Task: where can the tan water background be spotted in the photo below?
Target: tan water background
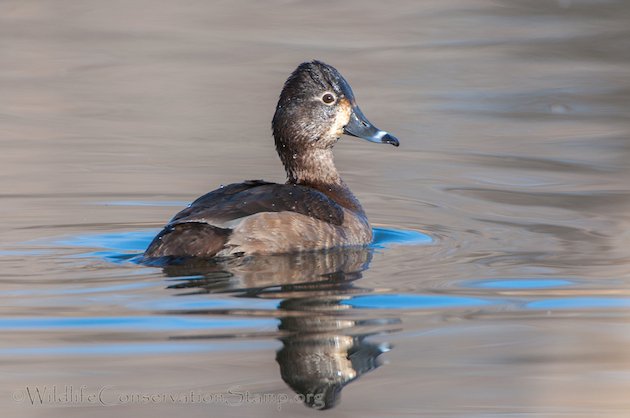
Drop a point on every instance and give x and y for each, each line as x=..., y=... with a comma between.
x=514, y=124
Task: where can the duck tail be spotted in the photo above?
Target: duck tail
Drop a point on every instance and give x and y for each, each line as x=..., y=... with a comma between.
x=188, y=239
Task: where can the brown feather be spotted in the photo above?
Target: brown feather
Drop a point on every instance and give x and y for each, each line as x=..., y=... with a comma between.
x=188, y=240
x=240, y=200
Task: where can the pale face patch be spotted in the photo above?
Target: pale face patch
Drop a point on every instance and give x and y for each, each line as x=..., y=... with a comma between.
x=342, y=117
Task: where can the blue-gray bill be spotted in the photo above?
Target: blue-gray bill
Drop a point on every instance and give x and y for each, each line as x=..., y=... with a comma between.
x=360, y=127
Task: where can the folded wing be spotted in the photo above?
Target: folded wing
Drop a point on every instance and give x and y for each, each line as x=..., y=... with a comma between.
x=203, y=228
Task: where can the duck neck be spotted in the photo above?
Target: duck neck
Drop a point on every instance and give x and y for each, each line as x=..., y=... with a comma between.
x=315, y=168
x=312, y=166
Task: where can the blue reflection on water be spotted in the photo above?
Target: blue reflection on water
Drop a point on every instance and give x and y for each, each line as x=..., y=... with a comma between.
x=122, y=241
x=413, y=301
x=141, y=323
x=128, y=244
x=385, y=237
x=123, y=246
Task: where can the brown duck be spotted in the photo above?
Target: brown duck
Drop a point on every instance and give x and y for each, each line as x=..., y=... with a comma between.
x=313, y=210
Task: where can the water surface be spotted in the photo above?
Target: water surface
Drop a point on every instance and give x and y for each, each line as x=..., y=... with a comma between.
x=498, y=281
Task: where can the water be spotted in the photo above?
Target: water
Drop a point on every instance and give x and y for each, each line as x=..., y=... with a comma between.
x=498, y=281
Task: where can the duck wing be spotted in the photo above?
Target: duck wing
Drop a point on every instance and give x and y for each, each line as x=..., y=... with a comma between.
x=224, y=206
x=204, y=228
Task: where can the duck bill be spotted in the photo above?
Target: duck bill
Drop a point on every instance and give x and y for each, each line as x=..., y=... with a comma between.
x=360, y=127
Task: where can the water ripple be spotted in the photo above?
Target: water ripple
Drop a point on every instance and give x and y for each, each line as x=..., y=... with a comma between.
x=136, y=349
x=581, y=303
x=127, y=244
x=150, y=323
x=520, y=283
x=402, y=301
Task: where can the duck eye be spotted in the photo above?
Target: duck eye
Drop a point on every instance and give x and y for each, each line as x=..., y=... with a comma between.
x=328, y=98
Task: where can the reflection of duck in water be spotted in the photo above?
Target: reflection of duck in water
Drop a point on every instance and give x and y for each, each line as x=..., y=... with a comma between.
x=324, y=340
x=313, y=210
x=323, y=351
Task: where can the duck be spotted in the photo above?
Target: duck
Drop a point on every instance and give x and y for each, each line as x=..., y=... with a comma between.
x=313, y=210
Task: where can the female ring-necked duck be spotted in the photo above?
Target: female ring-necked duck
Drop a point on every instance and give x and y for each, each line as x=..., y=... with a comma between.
x=313, y=210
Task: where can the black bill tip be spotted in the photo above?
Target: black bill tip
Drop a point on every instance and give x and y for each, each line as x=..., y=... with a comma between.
x=390, y=139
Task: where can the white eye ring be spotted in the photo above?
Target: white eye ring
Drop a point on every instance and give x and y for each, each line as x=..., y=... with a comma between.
x=328, y=98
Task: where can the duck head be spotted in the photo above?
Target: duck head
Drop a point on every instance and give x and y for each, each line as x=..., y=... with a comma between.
x=315, y=108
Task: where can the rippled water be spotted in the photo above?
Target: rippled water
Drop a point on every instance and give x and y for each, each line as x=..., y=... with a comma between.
x=498, y=282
